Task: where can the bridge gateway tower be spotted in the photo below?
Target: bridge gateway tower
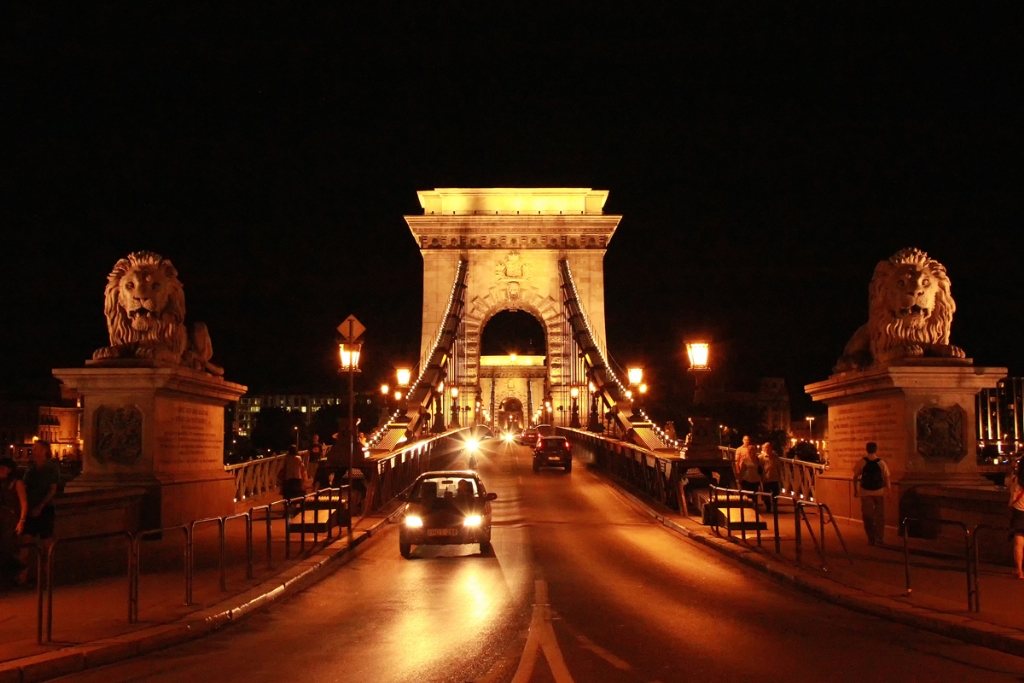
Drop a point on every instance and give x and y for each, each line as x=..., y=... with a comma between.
x=510, y=242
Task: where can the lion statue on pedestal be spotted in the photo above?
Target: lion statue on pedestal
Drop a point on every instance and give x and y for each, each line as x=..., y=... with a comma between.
x=145, y=308
x=910, y=314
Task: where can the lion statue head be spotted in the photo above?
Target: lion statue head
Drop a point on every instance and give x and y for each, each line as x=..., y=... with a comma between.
x=910, y=313
x=144, y=304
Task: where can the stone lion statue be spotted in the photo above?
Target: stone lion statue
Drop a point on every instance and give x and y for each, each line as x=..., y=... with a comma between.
x=145, y=308
x=910, y=314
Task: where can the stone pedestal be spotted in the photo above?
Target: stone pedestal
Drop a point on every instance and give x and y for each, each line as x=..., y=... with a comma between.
x=158, y=427
x=921, y=413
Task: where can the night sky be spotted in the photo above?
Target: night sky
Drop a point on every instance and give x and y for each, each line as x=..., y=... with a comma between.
x=764, y=160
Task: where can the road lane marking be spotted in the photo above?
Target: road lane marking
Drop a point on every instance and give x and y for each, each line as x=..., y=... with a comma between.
x=588, y=644
x=542, y=639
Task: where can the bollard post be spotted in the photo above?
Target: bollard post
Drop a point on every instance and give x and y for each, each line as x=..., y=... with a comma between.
x=39, y=595
x=906, y=555
x=223, y=555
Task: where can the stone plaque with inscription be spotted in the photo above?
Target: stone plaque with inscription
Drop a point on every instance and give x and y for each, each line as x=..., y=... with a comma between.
x=189, y=436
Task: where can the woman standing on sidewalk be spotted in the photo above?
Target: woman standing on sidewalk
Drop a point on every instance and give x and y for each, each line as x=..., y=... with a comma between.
x=1017, y=516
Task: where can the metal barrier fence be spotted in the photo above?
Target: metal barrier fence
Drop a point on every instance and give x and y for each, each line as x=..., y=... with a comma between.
x=722, y=498
x=393, y=472
x=972, y=554
x=46, y=549
x=659, y=476
x=799, y=479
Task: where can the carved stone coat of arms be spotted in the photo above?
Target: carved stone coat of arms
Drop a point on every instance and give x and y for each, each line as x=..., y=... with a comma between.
x=940, y=433
x=118, y=434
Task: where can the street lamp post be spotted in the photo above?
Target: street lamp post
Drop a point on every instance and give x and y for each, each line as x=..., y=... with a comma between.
x=455, y=409
x=698, y=352
x=810, y=427
x=574, y=422
x=594, y=425
x=635, y=375
x=348, y=352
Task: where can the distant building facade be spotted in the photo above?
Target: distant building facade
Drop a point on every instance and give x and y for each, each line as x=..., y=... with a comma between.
x=22, y=422
x=246, y=413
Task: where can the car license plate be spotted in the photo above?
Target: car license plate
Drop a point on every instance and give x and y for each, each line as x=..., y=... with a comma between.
x=442, y=532
x=554, y=459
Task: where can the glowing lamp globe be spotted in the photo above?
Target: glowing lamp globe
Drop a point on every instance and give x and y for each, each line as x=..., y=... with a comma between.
x=348, y=354
x=635, y=374
x=699, y=354
x=404, y=376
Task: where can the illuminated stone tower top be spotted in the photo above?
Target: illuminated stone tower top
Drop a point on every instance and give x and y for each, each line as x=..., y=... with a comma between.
x=512, y=240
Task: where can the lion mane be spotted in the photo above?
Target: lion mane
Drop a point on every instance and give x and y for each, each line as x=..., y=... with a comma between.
x=169, y=331
x=144, y=303
x=910, y=313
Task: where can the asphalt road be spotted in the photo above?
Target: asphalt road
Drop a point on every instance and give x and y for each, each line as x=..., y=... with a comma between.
x=581, y=586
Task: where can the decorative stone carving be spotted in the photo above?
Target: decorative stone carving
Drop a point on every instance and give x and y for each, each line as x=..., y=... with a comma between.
x=940, y=433
x=910, y=314
x=118, y=435
x=512, y=268
x=144, y=304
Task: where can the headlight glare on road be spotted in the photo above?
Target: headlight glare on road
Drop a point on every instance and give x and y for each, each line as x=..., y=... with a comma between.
x=472, y=445
x=508, y=438
x=413, y=521
x=472, y=520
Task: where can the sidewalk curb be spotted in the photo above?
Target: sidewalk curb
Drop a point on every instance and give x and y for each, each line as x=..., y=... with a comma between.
x=76, y=658
x=973, y=631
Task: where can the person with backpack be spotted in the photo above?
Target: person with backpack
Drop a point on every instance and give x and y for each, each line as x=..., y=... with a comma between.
x=871, y=484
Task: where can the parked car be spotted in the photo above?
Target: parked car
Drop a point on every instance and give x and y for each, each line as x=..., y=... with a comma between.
x=552, y=451
x=448, y=507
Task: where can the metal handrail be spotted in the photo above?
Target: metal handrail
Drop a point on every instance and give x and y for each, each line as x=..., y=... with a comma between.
x=800, y=506
x=51, y=546
x=977, y=561
x=223, y=548
x=137, y=551
x=972, y=590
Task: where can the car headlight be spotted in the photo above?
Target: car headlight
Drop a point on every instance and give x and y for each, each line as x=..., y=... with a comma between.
x=472, y=444
x=508, y=438
x=472, y=520
x=413, y=521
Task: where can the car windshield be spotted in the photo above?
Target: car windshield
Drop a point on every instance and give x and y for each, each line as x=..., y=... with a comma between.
x=445, y=487
x=553, y=443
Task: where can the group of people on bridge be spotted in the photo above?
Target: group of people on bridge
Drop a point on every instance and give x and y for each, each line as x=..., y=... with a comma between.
x=27, y=514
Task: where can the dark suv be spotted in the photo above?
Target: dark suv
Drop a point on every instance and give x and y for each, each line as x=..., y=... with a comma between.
x=552, y=451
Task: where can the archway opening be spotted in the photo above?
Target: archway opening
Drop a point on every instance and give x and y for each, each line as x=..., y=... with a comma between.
x=513, y=332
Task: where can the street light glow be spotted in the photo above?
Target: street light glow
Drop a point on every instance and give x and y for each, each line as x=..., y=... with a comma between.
x=698, y=353
x=404, y=376
x=348, y=353
x=635, y=374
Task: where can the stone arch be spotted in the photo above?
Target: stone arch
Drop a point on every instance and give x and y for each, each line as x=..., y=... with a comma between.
x=544, y=308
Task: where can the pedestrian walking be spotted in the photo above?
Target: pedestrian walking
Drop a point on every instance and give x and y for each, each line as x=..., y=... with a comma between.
x=316, y=449
x=771, y=473
x=748, y=467
x=293, y=477
x=1017, y=516
x=13, y=514
x=871, y=484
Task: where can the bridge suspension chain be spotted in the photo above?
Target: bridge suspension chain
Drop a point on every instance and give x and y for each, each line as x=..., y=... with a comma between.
x=601, y=373
x=427, y=387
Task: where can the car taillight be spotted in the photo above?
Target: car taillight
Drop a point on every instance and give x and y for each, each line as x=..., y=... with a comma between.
x=566, y=445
